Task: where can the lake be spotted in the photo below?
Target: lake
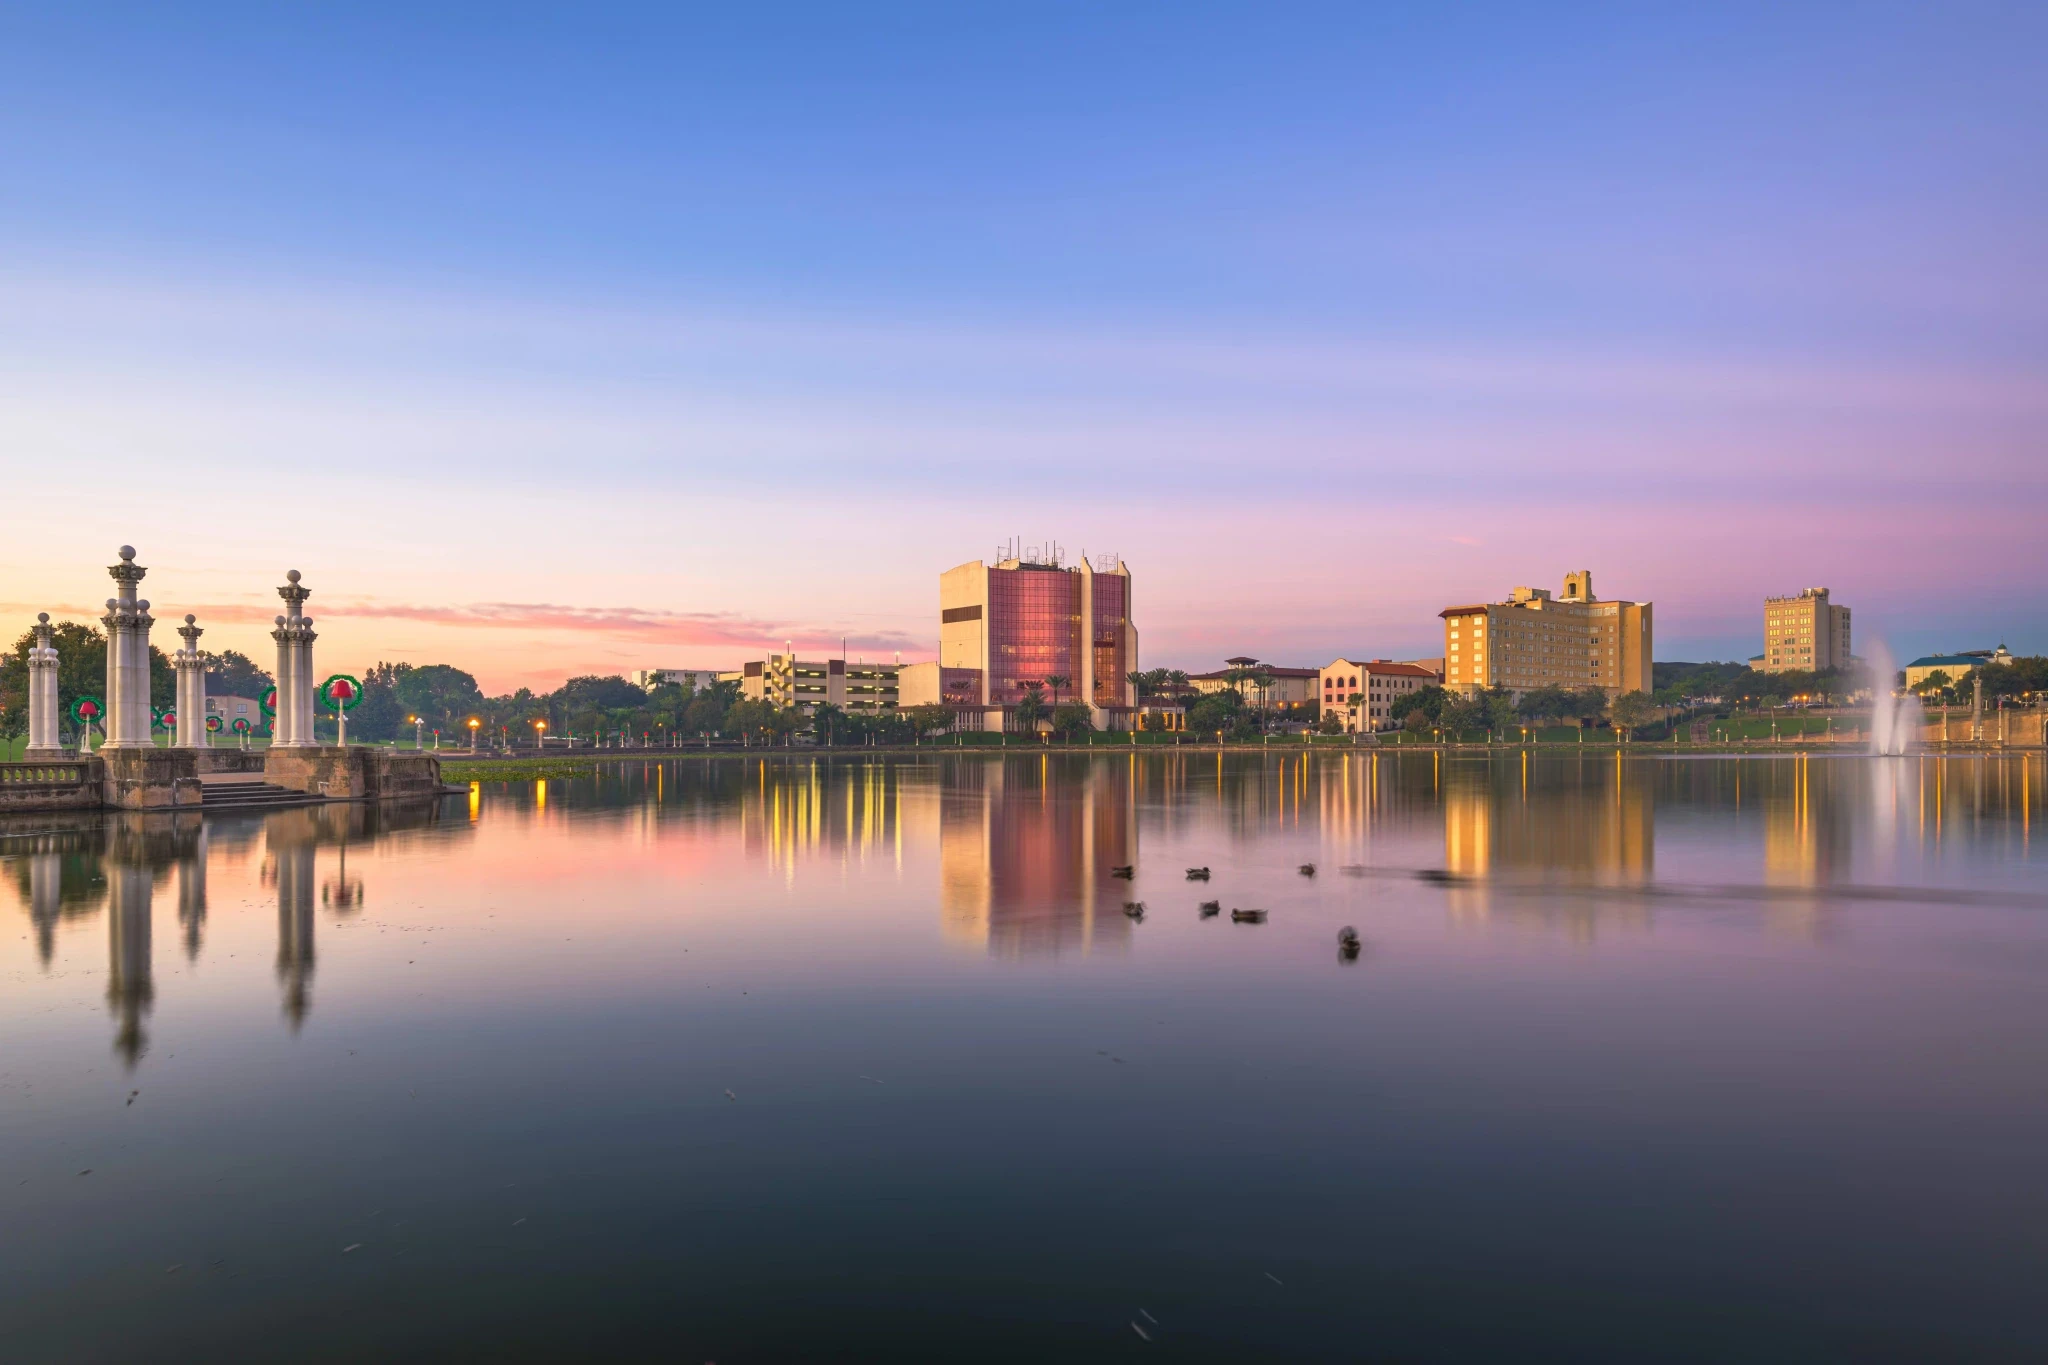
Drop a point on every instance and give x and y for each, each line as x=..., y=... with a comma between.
x=731, y=1060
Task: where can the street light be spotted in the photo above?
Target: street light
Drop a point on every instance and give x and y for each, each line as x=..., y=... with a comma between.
x=539, y=731
x=473, y=724
x=419, y=732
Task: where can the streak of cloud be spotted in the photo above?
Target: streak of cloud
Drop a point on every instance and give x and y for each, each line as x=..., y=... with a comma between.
x=681, y=629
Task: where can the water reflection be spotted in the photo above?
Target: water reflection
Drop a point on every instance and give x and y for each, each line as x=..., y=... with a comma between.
x=58, y=873
x=1026, y=848
x=293, y=837
x=710, y=1023
x=69, y=871
x=192, y=894
x=131, y=987
x=1023, y=844
x=1018, y=849
x=141, y=851
x=1509, y=825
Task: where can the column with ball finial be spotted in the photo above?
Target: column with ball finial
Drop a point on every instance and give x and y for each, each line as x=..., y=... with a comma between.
x=191, y=733
x=127, y=622
x=43, y=742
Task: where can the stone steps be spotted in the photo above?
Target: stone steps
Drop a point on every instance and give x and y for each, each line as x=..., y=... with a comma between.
x=242, y=793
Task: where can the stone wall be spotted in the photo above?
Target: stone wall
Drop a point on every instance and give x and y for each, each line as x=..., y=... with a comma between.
x=149, y=779
x=227, y=760
x=69, y=785
x=2017, y=727
x=354, y=774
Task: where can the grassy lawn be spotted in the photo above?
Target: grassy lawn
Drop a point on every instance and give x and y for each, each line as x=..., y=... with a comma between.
x=514, y=769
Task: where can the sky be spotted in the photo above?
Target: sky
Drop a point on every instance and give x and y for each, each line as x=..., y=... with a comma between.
x=585, y=339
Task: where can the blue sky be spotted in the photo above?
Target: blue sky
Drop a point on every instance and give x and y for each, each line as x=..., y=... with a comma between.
x=679, y=334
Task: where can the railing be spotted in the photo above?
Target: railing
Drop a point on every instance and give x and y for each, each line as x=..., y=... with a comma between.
x=42, y=774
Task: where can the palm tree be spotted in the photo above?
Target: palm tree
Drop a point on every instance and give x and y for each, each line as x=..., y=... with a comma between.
x=1032, y=709
x=1056, y=681
x=825, y=720
x=1261, y=678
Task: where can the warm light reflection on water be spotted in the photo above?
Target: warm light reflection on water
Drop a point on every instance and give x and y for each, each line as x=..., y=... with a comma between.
x=1673, y=1023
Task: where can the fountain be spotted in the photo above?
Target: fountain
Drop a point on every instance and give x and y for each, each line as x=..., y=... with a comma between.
x=1888, y=729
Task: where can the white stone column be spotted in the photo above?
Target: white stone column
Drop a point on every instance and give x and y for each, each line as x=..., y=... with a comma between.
x=287, y=654
x=293, y=726
x=127, y=622
x=308, y=680
x=43, y=743
x=191, y=733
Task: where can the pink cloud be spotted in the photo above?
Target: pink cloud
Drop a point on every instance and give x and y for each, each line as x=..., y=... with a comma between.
x=640, y=624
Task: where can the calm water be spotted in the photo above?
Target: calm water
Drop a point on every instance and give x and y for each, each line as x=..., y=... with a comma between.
x=1668, y=1060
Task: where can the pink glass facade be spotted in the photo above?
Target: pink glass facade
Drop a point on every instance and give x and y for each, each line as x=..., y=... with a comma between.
x=1112, y=611
x=1034, y=629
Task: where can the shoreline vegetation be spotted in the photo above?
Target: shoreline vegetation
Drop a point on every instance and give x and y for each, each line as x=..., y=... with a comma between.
x=553, y=767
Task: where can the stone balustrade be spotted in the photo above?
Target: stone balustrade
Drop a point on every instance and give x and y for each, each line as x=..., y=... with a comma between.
x=46, y=785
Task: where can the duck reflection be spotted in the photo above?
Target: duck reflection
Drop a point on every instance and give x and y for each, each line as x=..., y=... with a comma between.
x=1026, y=848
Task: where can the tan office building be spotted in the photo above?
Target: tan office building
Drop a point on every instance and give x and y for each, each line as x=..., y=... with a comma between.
x=1377, y=683
x=1804, y=632
x=1286, y=689
x=1535, y=640
x=785, y=680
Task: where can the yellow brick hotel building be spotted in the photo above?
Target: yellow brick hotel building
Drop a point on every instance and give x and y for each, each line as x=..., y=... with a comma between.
x=1535, y=640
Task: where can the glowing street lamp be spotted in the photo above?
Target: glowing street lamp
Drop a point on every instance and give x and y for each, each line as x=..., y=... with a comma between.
x=473, y=724
x=540, y=728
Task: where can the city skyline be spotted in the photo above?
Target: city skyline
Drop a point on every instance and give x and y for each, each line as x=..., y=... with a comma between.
x=524, y=340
